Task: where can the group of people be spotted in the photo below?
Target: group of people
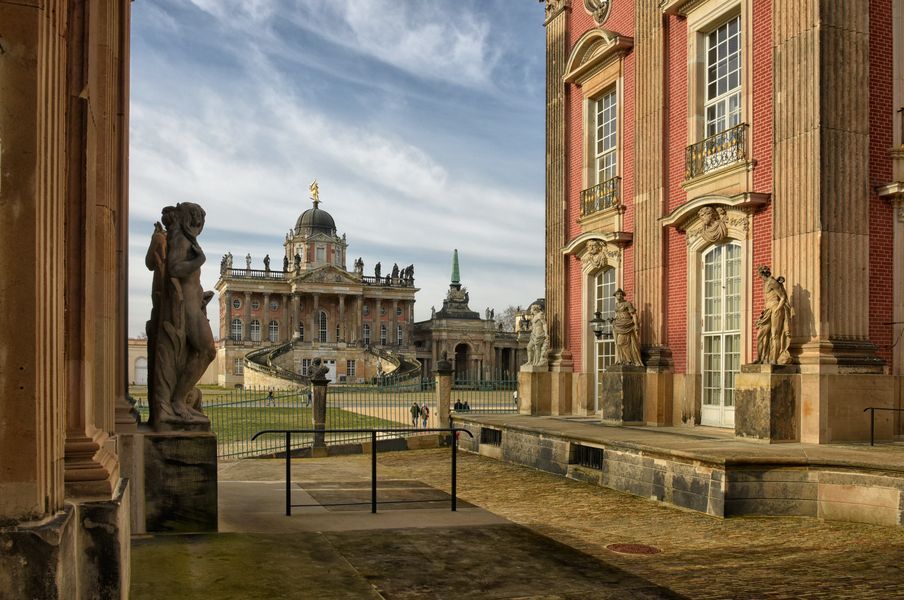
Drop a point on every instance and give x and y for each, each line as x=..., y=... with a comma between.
x=461, y=406
x=419, y=414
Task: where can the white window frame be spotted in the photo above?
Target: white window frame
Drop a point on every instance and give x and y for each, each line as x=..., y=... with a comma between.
x=383, y=334
x=238, y=366
x=305, y=366
x=718, y=42
x=399, y=335
x=605, y=148
x=604, y=285
x=365, y=334
x=301, y=332
x=236, y=330
x=254, y=330
x=273, y=331
x=350, y=368
x=323, y=332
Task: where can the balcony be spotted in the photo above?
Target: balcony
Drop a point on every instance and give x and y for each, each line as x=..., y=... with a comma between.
x=717, y=151
x=601, y=196
x=252, y=274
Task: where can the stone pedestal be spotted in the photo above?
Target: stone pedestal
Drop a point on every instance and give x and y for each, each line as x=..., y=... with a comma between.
x=534, y=384
x=767, y=403
x=318, y=394
x=623, y=395
x=173, y=481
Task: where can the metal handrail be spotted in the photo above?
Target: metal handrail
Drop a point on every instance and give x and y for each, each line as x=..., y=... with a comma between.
x=373, y=461
x=872, y=420
x=603, y=195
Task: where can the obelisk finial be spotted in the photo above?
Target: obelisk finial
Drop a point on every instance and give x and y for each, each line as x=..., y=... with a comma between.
x=456, y=278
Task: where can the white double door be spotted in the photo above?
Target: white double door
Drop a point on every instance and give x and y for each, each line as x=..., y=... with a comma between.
x=721, y=333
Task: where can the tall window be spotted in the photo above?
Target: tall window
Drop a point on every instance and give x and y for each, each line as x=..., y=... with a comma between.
x=235, y=332
x=605, y=347
x=365, y=310
x=238, y=367
x=382, y=335
x=723, y=77
x=322, y=326
x=255, y=330
x=305, y=366
x=349, y=368
x=365, y=334
x=321, y=254
x=337, y=332
x=301, y=332
x=606, y=137
x=273, y=331
x=399, y=336
x=721, y=332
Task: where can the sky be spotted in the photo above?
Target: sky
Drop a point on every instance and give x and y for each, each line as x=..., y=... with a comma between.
x=422, y=121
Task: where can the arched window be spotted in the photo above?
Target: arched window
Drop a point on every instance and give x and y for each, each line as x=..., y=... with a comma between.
x=273, y=331
x=255, y=330
x=238, y=367
x=604, y=303
x=400, y=336
x=721, y=332
x=382, y=335
x=365, y=335
x=235, y=333
x=323, y=326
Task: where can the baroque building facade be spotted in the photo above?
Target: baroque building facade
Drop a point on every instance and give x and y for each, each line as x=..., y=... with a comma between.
x=311, y=301
x=478, y=348
x=691, y=142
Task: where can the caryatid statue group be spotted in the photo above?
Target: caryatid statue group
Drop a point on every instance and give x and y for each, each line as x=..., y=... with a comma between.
x=180, y=341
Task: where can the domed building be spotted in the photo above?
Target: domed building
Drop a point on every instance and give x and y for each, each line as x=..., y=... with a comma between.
x=313, y=305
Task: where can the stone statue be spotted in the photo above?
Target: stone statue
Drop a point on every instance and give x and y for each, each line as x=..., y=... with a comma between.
x=359, y=266
x=248, y=261
x=486, y=313
x=229, y=260
x=297, y=262
x=627, y=348
x=492, y=313
x=539, y=338
x=180, y=341
x=774, y=324
x=267, y=263
x=318, y=370
x=714, y=229
x=377, y=272
x=285, y=264
x=395, y=271
x=315, y=192
x=432, y=312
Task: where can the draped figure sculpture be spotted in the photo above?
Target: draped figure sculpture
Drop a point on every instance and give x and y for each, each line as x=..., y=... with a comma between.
x=627, y=347
x=774, y=323
x=180, y=341
x=539, y=337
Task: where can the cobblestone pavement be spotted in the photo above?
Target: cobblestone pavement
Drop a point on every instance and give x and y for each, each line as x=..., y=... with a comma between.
x=702, y=556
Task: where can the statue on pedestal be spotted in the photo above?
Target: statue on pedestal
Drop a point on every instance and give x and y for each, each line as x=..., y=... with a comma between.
x=539, y=337
x=627, y=348
x=774, y=323
x=285, y=264
x=377, y=272
x=180, y=341
x=248, y=261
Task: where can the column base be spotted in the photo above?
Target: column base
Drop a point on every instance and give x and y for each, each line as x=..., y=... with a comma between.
x=623, y=395
x=534, y=384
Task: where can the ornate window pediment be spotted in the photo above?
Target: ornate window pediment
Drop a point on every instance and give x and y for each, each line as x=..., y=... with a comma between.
x=598, y=250
x=715, y=219
x=593, y=49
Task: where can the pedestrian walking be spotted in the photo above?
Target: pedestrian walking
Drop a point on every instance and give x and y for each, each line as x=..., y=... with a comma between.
x=425, y=414
x=415, y=413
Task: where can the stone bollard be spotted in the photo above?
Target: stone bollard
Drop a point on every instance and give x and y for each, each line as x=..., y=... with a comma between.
x=318, y=387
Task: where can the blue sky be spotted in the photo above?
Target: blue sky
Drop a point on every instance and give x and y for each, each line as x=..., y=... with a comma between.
x=421, y=120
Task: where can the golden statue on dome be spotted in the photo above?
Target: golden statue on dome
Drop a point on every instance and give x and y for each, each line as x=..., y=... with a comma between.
x=315, y=193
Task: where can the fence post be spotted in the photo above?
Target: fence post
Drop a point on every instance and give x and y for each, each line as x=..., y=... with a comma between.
x=318, y=387
x=443, y=392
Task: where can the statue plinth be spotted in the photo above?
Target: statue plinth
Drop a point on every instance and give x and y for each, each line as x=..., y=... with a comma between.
x=767, y=403
x=534, y=390
x=623, y=387
x=318, y=392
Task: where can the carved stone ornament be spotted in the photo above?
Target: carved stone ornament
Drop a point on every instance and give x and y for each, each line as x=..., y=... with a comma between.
x=594, y=256
x=715, y=224
x=598, y=9
x=554, y=7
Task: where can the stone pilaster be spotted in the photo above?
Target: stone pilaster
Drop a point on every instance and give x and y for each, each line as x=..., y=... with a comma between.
x=227, y=318
x=556, y=58
x=292, y=321
x=247, y=325
x=394, y=334
x=265, y=319
x=342, y=325
x=315, y=318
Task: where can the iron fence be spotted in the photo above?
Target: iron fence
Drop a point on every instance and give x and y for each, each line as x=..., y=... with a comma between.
x=486, y=393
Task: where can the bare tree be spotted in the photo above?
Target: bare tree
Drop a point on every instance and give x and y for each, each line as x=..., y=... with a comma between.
x=508, y=317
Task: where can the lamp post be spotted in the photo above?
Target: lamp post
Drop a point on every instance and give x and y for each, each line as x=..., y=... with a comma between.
x=602, y=328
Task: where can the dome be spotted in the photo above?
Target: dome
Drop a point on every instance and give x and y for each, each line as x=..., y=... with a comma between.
x=315, y=220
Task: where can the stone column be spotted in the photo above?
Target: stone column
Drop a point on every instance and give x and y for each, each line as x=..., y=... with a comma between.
x=265, y=319
x=375, y=324
x=315, y=318
x=227, y=315
x=556, y=281
x=318, y=414
x=359, y=318
x=291, y=319
x=394, y=334
x=247, y=327
x=443, y=393
x=342, y=325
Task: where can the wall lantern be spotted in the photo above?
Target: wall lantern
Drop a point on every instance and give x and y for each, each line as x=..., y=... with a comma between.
x=602, y=328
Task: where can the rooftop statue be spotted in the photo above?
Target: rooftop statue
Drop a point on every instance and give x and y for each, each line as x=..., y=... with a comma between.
x=180, y=341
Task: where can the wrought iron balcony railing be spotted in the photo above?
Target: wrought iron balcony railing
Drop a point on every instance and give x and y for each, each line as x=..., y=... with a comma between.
x=719, y=150
x=601, y=196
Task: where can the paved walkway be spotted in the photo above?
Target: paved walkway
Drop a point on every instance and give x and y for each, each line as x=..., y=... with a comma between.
x=336, y=549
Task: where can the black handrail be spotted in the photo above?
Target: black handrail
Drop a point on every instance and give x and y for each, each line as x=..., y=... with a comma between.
x=872, y=420
x=373, y=461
